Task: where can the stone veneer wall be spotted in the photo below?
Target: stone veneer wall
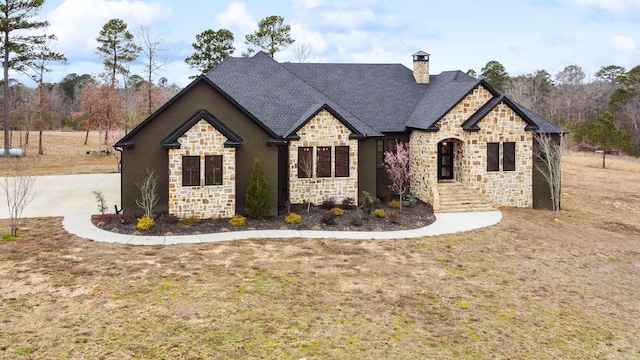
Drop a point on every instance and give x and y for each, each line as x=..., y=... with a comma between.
x=211, y=201
x=503, y=188
x=323, y=130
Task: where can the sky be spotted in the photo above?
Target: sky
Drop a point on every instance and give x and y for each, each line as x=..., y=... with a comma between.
x=523, y=35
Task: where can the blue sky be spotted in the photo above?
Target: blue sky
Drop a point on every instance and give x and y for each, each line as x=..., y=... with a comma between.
x=524, y=35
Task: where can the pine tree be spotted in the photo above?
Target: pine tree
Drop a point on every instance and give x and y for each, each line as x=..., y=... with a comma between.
x=257, y=197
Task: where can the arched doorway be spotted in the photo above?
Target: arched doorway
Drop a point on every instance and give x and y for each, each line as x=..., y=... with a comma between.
x=446, y=159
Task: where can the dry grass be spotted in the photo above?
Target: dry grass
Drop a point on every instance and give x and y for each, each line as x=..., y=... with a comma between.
x=530, y=287
x=64, y=154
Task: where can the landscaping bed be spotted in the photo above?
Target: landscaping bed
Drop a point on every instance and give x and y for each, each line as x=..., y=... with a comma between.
x=322, y=217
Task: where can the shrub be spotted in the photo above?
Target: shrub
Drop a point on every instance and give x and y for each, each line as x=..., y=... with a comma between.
x=394, y=218
x=257, y=197
x=328, y=218
x=149, y=193
x=380, y=213
x=394, y=204
x=100, y=199
x=145, y=223
x=337, y=211
x=356, y=218
x=293, y=219
x=190, y=221
x=368, y=202
x=348, y=203
x=238, y=220
x=410, y=200
x=328, y=204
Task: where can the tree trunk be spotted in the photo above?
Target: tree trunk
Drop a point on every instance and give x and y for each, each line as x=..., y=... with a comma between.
x=40, y=149
x=604, y=153
x=86, y=136
x=7, y=100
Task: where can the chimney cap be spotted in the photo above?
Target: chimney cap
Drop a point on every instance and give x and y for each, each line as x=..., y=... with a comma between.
x=421, y=56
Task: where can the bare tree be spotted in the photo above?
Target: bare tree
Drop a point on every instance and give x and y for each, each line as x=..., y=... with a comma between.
x=302, y=52
x=549, y=152
x=305, y=164
x=157, y=58
x=149, y=192
x=19, y=193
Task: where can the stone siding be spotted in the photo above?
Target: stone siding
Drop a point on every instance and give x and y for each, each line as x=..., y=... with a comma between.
x=211, y=201
x=502, y=188
x=323, y=130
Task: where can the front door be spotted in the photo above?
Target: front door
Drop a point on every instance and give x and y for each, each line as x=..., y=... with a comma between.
x=445, y=160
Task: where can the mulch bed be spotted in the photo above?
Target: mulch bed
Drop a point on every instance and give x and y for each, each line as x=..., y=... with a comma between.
x=318, y=218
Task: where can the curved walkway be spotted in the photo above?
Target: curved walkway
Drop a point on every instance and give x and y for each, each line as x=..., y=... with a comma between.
x=446, y=223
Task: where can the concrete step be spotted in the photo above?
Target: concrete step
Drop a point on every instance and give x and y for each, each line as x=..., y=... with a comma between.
x=455, y=197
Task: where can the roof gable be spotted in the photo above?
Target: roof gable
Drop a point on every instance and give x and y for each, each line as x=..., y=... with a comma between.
x=471, y=124
x=313, y=111
x=171, y=141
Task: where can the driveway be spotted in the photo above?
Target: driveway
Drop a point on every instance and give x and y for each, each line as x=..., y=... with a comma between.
x=60, y=195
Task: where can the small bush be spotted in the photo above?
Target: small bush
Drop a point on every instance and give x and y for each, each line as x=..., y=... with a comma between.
x=190, y=221
x=356, y=218
x=410, y=200
x=337, y=211
x=328, y=218
x=394, y=218
x=145, y=223
x=293, y=219
x=328, y=204
x=368, y=202
x=380, y=213
x=348, y=203
x=238, y=220
x=394, y=204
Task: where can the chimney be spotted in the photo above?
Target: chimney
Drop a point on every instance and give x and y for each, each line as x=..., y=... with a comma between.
x=421, y=67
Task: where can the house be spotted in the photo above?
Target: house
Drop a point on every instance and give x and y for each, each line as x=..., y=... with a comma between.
x=337, y=120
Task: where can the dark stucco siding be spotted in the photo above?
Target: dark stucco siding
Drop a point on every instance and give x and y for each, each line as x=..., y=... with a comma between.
x=366, y=166
x=541, y=191
x=382, y=177
x=148, y=152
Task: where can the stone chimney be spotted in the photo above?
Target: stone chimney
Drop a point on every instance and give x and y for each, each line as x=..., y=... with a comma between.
x=421, y=67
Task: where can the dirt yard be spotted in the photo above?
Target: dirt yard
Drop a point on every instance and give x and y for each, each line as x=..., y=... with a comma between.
x=530, y=287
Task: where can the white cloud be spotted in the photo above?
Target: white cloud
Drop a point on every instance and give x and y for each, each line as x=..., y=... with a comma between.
x=237, y=17
x=77, y=23
x=623, y=43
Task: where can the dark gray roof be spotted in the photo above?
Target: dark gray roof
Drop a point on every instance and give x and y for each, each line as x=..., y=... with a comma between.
x=543, y=125
x=370, y=98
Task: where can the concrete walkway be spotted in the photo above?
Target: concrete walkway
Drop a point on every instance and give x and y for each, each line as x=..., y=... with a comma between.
x=62, y=195
x=446, y=223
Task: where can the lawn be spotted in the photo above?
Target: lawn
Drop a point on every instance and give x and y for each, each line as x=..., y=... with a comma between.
x=530, y=287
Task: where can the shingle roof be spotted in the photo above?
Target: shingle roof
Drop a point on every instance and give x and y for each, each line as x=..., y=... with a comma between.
x=371, y=98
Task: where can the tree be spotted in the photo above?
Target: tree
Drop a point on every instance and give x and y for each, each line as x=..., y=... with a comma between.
x=399, y=169
x=148, y=192
x=303, y=53
x=18, y=191
x=549, y=152
x=611, y=74
x=116, y=48
x=531, y=90
x=258, y=199
x=18, y=48
x=43, y=56
x=272, y=36
x=495, y=74
x=603, y=133
x=156, y=59
x=102, y=104
x=209, y=49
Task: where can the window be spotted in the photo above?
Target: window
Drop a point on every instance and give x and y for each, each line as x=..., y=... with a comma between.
x=323, y=161
x=305, y=162
x=191, y=171
x=213, y=170
x=493, y=156
x=509, y=156
x=342, y=161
